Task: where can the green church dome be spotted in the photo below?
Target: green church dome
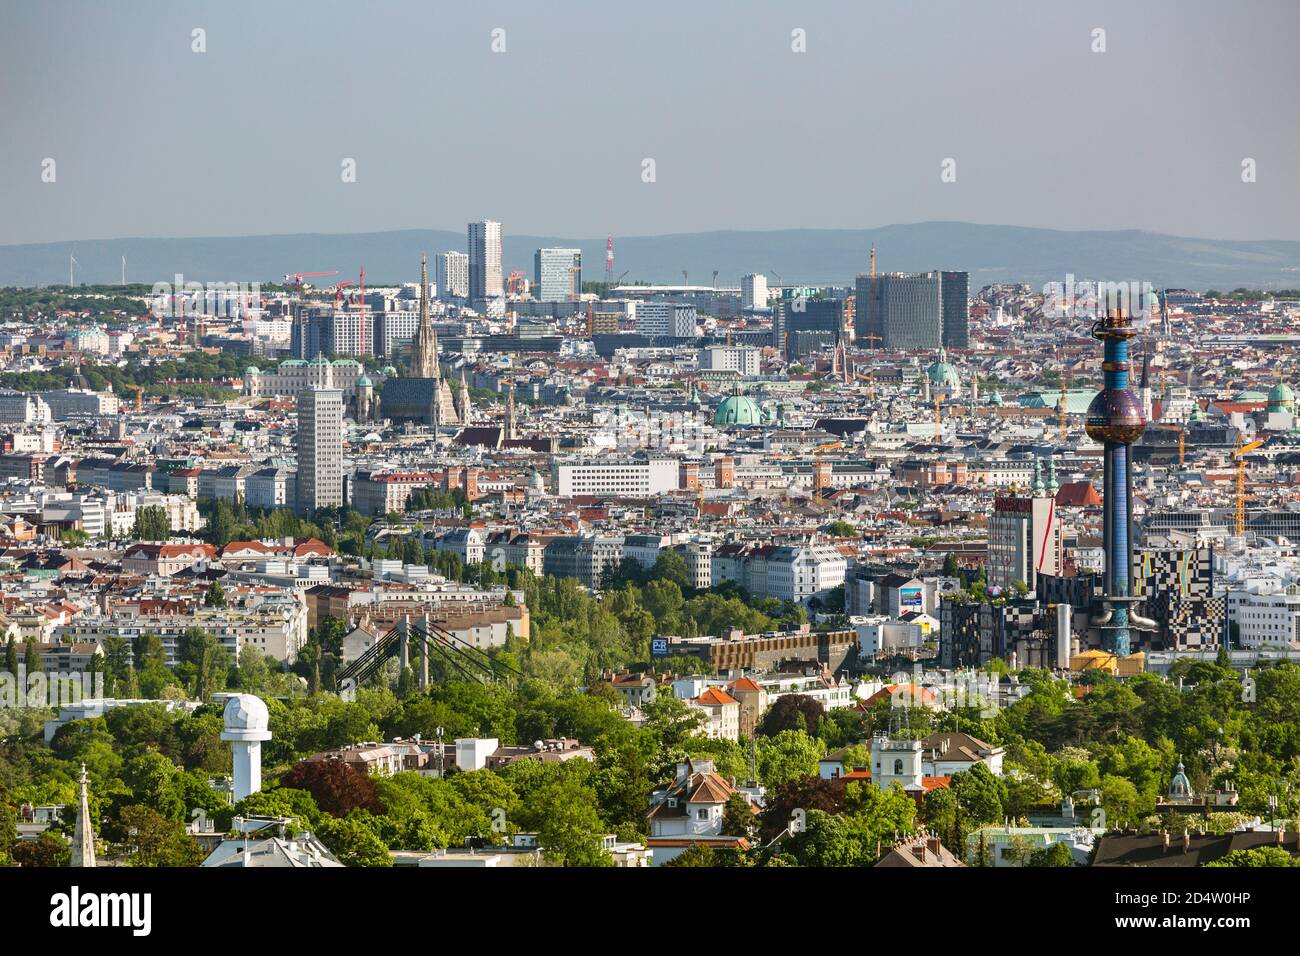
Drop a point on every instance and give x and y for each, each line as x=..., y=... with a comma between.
x=738, y=410
x=943, y=374
x=1281, y=397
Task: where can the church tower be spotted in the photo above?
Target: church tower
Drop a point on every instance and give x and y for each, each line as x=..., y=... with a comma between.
x=463, y=396
x=424, y=346
x=83, y=835
x=510, y=413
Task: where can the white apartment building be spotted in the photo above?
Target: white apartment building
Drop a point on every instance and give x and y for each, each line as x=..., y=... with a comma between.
x=485, y=277
x=802, y=572
x=320, y=449
x=1269, y=620
x=278, y=629
x=666, y=318
x=23, y=407
x=753, y=291
x=722, y=358
x=452, y=269
x=632, y=478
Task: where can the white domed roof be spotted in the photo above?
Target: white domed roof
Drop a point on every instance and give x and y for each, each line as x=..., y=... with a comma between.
x=246, y=712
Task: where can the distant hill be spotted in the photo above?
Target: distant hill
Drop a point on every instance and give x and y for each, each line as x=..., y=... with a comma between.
x=811, y=256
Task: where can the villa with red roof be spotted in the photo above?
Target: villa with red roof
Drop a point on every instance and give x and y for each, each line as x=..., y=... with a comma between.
x=688, y=812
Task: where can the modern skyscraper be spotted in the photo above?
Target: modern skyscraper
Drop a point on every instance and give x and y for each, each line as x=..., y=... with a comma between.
x=956, y=310
x=910, y=309
x=485, y=278
x=557, y=274
x=453, y=275
x=320, y=449
x=921, y=310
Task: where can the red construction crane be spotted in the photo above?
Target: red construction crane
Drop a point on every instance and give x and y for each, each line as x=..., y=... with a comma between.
x=338, y=292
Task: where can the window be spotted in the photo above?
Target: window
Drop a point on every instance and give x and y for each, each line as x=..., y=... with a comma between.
x=898, y=767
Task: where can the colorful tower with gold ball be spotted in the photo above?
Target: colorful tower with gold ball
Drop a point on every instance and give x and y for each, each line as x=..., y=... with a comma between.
x=1115, y=419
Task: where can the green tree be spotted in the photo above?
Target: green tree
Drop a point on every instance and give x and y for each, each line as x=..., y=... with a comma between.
x=152, y=523
x=1271, y=856
x=353, y=841
x=789, y=756
x=149, y=838
x=46, y=851
x=216, y=595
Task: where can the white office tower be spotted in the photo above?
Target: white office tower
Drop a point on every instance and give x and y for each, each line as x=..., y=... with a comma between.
x=753, y=291
x=246, y=727
x=453, y=275
x=320, y=449
x=485, y=278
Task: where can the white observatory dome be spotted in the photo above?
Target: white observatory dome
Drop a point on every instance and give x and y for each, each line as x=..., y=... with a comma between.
x=246, y=712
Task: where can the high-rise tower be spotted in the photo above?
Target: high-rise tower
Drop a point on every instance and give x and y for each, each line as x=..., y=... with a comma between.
x=320, y=449
x=1115, y=419
x=485, y=275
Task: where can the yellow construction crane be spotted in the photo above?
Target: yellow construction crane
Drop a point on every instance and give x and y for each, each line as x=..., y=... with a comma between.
x=871, y=384
x=938, y=422
x=1182, y=446
x=1240, y=454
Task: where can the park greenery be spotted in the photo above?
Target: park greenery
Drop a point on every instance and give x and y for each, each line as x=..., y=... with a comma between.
x=1110, y=745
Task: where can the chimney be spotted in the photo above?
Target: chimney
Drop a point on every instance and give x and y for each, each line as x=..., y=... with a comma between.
x=1187, y=840
x=1166, y=832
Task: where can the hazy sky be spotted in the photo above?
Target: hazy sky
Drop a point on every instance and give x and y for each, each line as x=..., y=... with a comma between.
x=152, y=139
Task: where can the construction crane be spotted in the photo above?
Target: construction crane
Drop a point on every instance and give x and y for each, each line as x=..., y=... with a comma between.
x=685, y=279
x=715, y=278
x=1240, y=454
x=1182, y=446
x=938, y=421
x=871, y=384
x=338, y=292
x=573, y=282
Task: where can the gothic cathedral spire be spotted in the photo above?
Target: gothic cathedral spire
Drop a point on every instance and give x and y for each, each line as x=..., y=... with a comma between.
x=424, y=346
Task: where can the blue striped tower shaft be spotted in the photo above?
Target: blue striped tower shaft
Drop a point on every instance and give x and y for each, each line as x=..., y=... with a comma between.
x=1118, y=507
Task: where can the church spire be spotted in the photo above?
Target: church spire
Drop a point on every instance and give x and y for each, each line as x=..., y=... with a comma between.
x=424, y=346
x=510, y=412
x=83, y=836
x=463, y=397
